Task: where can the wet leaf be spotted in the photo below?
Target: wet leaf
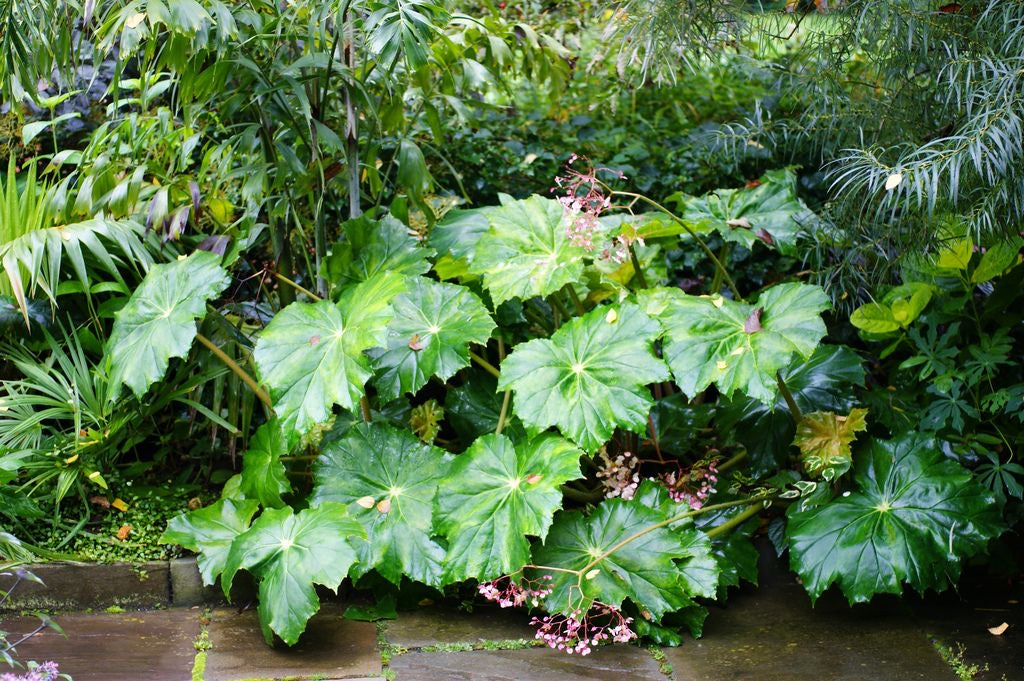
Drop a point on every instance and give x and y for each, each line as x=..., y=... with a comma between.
x=824, y=440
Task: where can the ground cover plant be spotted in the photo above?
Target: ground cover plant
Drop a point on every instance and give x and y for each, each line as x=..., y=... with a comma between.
x=584, y=400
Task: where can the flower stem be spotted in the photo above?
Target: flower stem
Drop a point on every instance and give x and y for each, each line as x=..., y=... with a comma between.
x=733, y=461
x=700, y=242
x=484, y=364
x=237, y=370
x=577, y=303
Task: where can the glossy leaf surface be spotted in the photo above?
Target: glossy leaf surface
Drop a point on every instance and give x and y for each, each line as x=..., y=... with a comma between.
x=290, y=553
x=496, y=495
x=433, y=326
x=263, y=475
x=736, y=346
x=209, y=531
x=913, y=516
x=526, y=252
x=589, y=378
x=158, y=322
x=388, y=480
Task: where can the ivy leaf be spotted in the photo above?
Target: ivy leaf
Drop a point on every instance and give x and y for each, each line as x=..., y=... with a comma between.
x=819, y=384
x=210, y=531
x=526, y=251
x=913, y=517
x=652, y=570
x=746, y=215
x=388, y=479
x=429, y=336
x=374, y=246
x=588, y=378
x=311, y=354
x=290, y=553
x=714, y=340
x=158, y=321
x=263, y=475
x=495, y=495
x=824, y=439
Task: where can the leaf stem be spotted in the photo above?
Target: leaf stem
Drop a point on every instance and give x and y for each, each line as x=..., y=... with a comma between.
x=557, y=304
x=484, y=364
x=504, y=412
x=668, y=521
x=577, y=303
x=733, y=461
x=638, y=271
x=237, y=370
x=298, y=287
x=788, y=396
x=733, y=522
x=700, y=242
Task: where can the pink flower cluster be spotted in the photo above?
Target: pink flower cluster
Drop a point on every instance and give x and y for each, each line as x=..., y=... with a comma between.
x=510, y=593
x=577, y=632
x=620, y=475
x=47, y=671
x=584, y=200
x=693, y=487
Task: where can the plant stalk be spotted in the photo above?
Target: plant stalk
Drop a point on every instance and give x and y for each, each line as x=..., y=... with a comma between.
x=638, y=271
x=733, y=522
x=237, y=370
x=788, y=396
x=298, y=287
x=484, y=364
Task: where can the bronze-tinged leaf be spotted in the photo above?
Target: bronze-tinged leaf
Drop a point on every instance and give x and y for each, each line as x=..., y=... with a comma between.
x=123, y=532
x=416, y=343
x=753, y=323
x=765, y=237
x=824, y=440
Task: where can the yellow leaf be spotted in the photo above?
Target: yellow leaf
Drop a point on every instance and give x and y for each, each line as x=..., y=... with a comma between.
x=824, y=440
x=119, y=504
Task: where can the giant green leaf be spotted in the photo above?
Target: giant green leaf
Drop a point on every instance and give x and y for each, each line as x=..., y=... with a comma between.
x=621, y=552
x=388, y=479
x=311, y=355
x=494, y=496
x=589, y=378
x=290, y=553
x=821, y=383
x=158, y=321
x=769, y=211
x=454, y=238
x=373, y=246
x=263, y=475
x=526, y=251
x=210, y=531
x=737, y=346
x=429, y=335
x=912, y=517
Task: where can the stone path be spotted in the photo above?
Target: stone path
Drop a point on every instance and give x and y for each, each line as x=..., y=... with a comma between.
x=765, y=634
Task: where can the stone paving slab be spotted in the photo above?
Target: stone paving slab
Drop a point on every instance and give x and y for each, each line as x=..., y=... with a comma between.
x=78, y=586
x=155, y=645
x=332, y=648
x=431, y=626
x=615, y=663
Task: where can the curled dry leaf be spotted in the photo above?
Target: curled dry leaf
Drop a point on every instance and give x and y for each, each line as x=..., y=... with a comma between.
x=384, y=505
x=125, y=530
x=100, y=501
x=1000, y=630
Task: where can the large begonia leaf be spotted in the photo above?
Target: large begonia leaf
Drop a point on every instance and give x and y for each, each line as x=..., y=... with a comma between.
x=588, y=378
x=821, y=383
x=209, y=531
x=660, y=569
x=311, y=355
x=737, y=346
x=497, y=494
x=263, y=474
x=388, y=479
x=769, y=211
x=913, y=516
x=373, y=246
x=429, y=336
x=526, y=251
x=158, y=321
x=290, y=553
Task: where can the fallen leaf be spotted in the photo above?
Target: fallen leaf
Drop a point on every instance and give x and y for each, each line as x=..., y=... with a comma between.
x=416, y=343
x=384, y=505
x=534, y=479
x=893, y=181
x=120, y=505
x=765, y=237
x=102, y=502
x=738, y=222
x=998, y=631
x=134, y=20
x=125, y=530
x=366, y=502
x=753, y=323
x=195, y=503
